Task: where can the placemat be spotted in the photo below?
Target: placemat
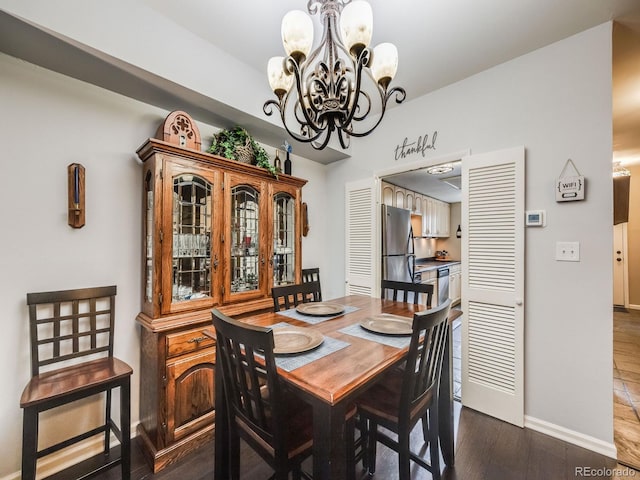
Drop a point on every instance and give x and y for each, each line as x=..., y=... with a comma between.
x=293, y=313
x=291, y=362
x=396, y=341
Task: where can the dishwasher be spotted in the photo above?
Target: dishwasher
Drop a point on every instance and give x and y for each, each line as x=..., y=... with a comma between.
x=443, y=285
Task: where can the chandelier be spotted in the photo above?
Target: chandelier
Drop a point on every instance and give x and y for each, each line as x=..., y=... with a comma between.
x=337, y=85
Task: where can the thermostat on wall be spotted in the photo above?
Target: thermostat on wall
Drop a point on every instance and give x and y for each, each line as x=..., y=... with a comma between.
x=534, y=218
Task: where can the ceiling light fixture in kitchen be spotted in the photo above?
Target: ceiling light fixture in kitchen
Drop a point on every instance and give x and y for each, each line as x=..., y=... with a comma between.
x=327, y=90
x=440, y=169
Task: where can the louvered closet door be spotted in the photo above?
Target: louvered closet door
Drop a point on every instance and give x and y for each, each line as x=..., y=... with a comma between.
x=493, y=284
x=360, y=228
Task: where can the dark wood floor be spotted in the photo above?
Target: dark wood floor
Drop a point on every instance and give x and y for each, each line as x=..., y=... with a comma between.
x=626, y=385
x=486, y=449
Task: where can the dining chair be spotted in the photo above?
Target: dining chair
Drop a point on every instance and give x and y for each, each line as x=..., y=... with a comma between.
x=400, y=291
x=288, y=296
x=273, y=422
x=71, y=333
x=312, y=275
x=399, y=401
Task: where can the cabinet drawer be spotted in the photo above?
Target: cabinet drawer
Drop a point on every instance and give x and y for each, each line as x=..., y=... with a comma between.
x=187, y=342
x=429, y=274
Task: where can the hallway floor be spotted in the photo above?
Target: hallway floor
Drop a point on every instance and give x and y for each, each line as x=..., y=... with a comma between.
x=626, y=384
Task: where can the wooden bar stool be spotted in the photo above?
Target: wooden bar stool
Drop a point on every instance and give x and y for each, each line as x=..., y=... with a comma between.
x=72, y=358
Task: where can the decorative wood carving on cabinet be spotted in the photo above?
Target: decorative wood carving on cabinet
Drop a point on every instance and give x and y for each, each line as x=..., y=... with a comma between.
x=216, y=232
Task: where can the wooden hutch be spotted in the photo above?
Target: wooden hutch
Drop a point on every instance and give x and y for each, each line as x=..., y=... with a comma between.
x=215, y=233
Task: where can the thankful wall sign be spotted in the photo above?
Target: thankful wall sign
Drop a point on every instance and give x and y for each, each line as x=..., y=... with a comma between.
x=419, y=146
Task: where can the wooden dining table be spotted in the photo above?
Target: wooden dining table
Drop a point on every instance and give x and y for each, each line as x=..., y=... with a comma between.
x=330, y=384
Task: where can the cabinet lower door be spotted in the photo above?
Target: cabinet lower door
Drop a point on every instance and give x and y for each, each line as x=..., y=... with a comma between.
x=190, y=394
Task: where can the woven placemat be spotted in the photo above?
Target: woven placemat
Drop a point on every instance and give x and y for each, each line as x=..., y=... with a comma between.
x=293, y=361
x=396, y=341
x=293, y=313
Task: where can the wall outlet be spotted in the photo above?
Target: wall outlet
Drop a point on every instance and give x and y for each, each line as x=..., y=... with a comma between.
x=568, y=251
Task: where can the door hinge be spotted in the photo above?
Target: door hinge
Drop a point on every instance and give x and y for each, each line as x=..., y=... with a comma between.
x=222, y=185
x=160, y=299
x=161, y=177
x=222, y=288
x=161, y=235
x=222, y=238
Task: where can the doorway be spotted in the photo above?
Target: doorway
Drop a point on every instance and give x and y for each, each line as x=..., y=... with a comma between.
x=626, y=316
x=626, y=331
x=433, y=194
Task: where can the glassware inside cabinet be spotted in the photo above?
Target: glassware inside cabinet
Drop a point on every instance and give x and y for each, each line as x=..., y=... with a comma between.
x=192, y=208
x=283, y=239
x=245, y=243
x=148, y=268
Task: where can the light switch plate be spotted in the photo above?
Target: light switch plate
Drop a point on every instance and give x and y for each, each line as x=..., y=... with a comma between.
x=568, y=251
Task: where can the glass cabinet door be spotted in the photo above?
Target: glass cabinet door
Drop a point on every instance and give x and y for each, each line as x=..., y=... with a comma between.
x=191, y=225
x=284, y=251
x=245, y=239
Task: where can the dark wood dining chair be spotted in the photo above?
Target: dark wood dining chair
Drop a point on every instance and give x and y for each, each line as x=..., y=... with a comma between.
x=273, y=421
x=72, y=358
x=277, y=425
x=399, y=401
x=288, y=296
x=312, y=275
x=407, y=292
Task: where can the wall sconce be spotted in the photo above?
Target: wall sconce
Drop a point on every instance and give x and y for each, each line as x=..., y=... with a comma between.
x=459, y=232
x=75, y=189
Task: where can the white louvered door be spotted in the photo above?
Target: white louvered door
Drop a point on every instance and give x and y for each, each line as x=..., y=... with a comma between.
x=360, y=228
x=493, y=284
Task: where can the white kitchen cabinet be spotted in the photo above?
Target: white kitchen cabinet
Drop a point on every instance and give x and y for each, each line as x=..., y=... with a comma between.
x=388, y=194
x=443, y=213
x=409, y=200
x=455, y=283
x=417, y=204
x=430, y=277
x=430, y=216
x=399, y=194
x=436, y=218
x=435, y=213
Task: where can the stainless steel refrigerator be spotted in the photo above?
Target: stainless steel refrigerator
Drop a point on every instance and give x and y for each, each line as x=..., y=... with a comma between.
x=398, y=257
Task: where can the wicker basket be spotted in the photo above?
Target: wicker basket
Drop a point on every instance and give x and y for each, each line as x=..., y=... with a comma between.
x=244, y=153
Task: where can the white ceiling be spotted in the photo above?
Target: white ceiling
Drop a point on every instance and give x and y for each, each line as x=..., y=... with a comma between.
x=439, y=41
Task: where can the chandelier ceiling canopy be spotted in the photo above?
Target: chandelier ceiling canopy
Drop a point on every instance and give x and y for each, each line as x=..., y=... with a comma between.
x=338, y=84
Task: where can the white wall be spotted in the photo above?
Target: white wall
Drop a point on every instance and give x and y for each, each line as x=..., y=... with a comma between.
x=557, y=103
x=49, y=121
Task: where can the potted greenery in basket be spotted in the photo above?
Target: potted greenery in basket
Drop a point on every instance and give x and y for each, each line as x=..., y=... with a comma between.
x=236, y=144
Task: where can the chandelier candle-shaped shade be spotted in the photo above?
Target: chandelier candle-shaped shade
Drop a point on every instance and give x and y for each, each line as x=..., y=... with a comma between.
x=335, y=86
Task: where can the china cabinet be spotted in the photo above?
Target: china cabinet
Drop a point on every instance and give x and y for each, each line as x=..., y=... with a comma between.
x=216, y=233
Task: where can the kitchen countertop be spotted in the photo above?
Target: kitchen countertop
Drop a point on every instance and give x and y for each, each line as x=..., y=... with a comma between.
x=425, y=265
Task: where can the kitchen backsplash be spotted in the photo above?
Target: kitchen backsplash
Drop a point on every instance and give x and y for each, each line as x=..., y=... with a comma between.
x=425, y=247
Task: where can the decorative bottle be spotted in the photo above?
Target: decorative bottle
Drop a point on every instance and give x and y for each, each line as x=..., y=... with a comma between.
x=287, y=165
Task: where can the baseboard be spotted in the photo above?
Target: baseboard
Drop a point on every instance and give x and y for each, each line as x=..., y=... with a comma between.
x=634, y=307
x=69, y=456
x=570, y=436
